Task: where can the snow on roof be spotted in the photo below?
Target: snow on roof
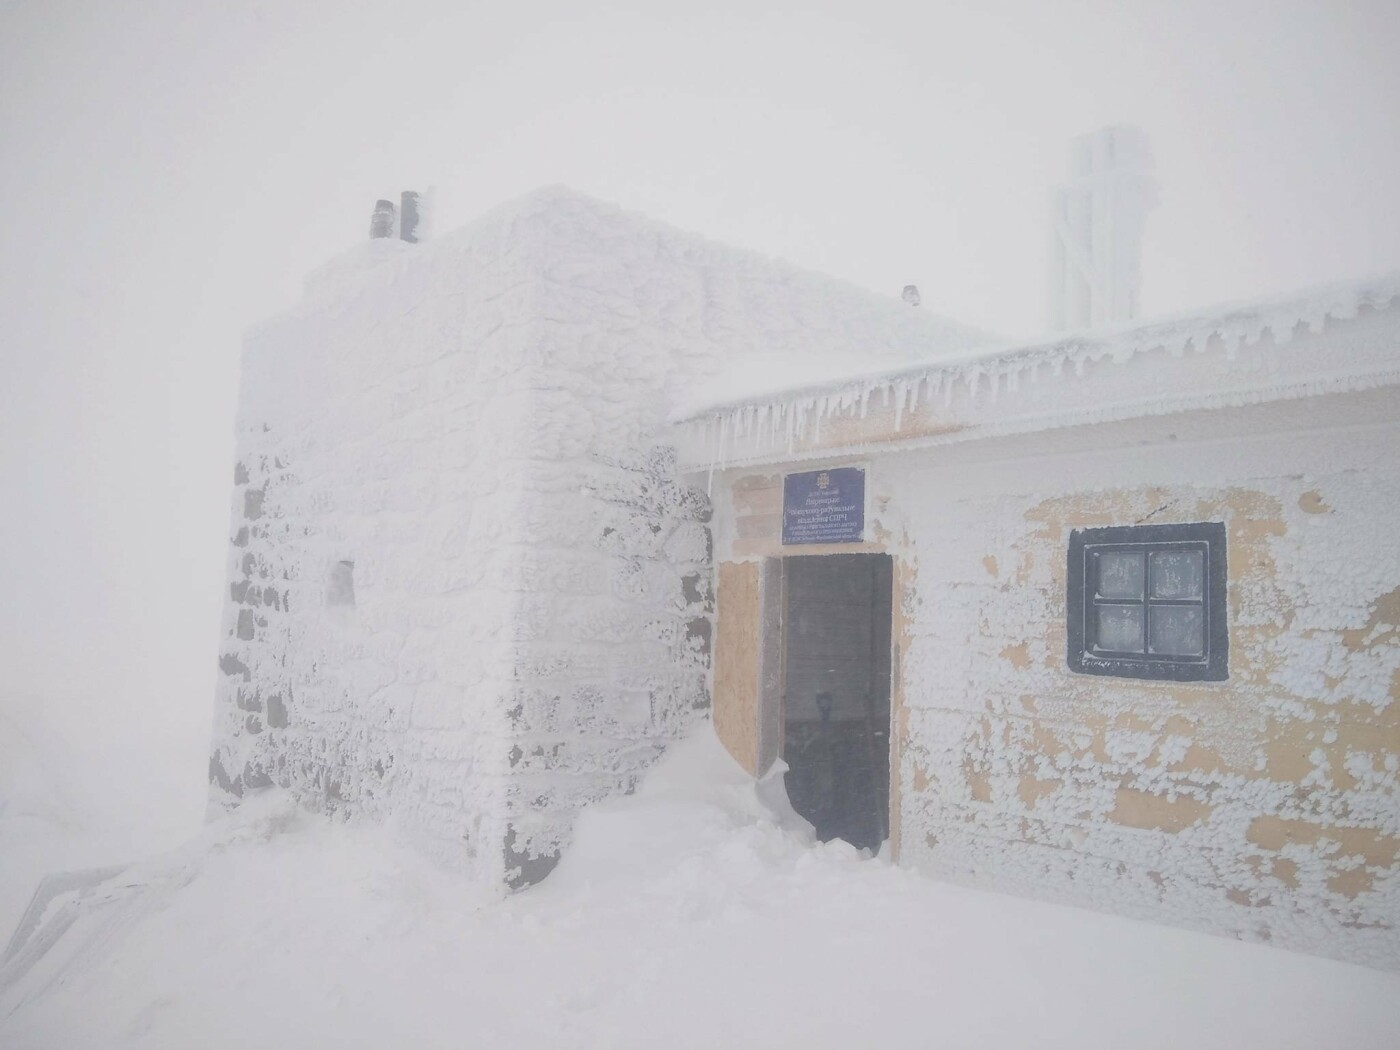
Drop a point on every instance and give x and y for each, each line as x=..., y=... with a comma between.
x=1230, y=325
x=1240, y=353
x=757, y=341
x=758, y=315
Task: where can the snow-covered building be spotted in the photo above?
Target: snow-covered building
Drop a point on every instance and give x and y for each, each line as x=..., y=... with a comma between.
x=470, y=591
x=1110, y=620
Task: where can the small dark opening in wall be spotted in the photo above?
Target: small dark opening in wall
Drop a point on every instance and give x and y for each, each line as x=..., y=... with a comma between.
x=1148, y=601
x=340, y=588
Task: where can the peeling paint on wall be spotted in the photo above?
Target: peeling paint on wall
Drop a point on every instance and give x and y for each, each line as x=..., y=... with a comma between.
x=736, y=672
x=1274, y=792
x=1263, y=807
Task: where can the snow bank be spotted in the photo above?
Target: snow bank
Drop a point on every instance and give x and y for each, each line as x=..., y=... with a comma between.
x=687, y=915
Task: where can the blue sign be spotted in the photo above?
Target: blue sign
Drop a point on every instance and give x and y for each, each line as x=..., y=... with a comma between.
x=824, y=506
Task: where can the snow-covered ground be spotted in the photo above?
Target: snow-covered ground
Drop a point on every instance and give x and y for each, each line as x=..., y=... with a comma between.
x=685, y=915
x=85, y=785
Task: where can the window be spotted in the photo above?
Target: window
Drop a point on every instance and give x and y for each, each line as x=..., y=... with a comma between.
x=1148, y=601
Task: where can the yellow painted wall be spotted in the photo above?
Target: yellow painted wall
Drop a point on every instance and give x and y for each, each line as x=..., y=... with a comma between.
x=1264, y=807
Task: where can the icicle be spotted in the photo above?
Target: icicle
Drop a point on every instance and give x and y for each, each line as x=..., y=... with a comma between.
x=710, y=478
x=1232, y=342
x=716, y=426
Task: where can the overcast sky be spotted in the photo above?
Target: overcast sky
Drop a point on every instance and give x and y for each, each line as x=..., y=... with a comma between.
x=172, y=169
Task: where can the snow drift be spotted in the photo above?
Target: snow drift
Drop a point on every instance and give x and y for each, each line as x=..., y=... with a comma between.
x=688, y=914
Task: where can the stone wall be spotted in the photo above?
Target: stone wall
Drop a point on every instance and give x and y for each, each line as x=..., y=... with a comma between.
x=466, y=595
x=367, y=662
x=469, y=591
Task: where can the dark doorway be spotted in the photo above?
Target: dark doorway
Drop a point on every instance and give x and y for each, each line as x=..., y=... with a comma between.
x=836, y=694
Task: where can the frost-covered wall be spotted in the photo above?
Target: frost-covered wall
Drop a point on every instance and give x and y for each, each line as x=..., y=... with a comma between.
x=1265, y=807
x=468, y=590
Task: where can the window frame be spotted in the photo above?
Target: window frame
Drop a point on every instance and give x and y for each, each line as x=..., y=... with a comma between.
x=1085, y=545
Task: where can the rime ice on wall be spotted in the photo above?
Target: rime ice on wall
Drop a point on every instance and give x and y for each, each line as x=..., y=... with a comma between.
x=469, y=592
x=1265, y=807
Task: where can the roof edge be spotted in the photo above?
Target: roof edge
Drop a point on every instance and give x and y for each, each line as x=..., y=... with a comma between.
x=1234, y=324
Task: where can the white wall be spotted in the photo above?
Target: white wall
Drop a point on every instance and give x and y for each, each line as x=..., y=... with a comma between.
x=1263, y=807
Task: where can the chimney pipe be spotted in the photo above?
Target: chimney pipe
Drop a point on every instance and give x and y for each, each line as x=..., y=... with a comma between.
x=410, y=216
x=381, y=223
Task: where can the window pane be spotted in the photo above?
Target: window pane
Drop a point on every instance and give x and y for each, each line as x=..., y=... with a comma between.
x=1177, y=574
x=1176, y=630
x=1120, y=574
x=1119, y=628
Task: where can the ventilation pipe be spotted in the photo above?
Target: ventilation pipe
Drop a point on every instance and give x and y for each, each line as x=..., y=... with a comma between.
x=382, y=222
x=410, y=216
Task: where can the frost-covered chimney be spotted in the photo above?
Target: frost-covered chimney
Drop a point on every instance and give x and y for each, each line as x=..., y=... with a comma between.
x=382, y=222
x=1096, y=227
x=410, y=214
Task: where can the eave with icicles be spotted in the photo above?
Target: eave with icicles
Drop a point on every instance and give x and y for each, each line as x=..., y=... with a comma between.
x=1238, y=354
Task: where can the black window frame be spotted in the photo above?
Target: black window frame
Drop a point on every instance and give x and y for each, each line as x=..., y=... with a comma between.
x=1082, y=594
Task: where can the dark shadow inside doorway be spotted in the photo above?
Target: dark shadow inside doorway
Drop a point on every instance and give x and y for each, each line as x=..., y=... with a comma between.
x=836, y=695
